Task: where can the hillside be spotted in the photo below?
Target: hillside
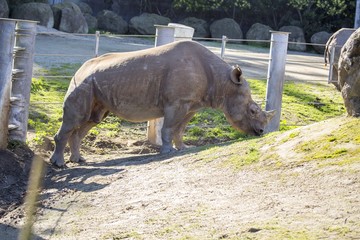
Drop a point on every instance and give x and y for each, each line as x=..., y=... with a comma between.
x=299, y=184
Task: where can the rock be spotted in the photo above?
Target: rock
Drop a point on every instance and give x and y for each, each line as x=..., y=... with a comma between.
x=4, y=9
x=259, y=31
x=110, y=21
x=337, y=40
x=91, y=22
x=40, y=12
x=85, y=8
x=200, y=26
x=227, y=27
x=69, y=18
x=320, y=38
x=14, y=3
x=296, y=36
x=349, y=74
x=144, y=24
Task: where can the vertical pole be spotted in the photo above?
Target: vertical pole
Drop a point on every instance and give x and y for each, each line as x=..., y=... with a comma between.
x=331, y=63
x=7, y=35
x=25, y=33
x=164, y=35
x=97, y=36
x=357, y=15
x=276, y=77
x=223, y=46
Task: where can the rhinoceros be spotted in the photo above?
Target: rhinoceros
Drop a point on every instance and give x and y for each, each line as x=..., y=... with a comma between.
x=173, y=81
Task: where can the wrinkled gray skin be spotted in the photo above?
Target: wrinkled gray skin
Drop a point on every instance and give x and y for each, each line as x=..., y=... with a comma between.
x=173, y=81
x=337, y=40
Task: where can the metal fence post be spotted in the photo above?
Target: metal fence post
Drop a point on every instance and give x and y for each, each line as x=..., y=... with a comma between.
x=164, y=35
x=21, y=82
x=223, y=46
x=276, y=77
x=331, y=63
x=7, y=36
x=97, y=38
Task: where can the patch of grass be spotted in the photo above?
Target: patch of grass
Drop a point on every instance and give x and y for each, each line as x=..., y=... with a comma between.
x=341, y=146
x=249, y=156
x=339, y=230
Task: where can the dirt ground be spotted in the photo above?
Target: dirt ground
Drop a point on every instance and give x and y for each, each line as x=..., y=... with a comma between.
x=183, y=196
x=128, y=191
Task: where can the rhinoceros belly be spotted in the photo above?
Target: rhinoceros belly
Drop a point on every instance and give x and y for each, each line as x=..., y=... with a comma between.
x=131, y=99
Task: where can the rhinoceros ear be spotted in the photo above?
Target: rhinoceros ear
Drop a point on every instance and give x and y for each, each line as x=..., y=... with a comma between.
x=235, y=75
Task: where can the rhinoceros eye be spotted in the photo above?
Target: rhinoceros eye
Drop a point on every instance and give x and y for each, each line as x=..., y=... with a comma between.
x=254, y=109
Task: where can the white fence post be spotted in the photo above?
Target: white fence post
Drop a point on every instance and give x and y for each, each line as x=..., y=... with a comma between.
x=22, y=74
x=165, y=35
x=97, y=38
x=223, y=46
x=7, y=36
x=276, y=77
x=331, y=63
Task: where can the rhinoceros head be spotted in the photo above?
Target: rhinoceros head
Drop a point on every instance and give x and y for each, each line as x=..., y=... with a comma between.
x=240, y=109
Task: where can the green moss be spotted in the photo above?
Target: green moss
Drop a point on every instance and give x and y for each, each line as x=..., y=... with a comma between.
x=332, y=146
x=249, y=156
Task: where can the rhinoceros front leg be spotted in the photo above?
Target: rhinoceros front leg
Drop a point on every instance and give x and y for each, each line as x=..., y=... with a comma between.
x=173, y=116
x=75, y=141
x=61, y=139
x=179, y=132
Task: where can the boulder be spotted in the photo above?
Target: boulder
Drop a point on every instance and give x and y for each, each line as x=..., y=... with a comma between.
x=144, y=24
x=91, y=21
x=4, y=9
x=227, y=27
x=259, y=31
x=14, y=3
x=110, y=21
x=337, y=41
x=69, y=18
x=40, y=12
x=296, y=36
x=200, y=26
x=85, y=8
x=320, y=38
x=349, y=74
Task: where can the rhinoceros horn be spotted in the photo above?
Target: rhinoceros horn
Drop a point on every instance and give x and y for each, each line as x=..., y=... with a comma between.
x=235, y=75
x=270, y=115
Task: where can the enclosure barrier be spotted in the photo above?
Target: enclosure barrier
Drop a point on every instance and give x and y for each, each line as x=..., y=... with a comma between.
x=228, y=52
x=7, y=36
x=164, y=35
x=25, y=33
x=121, y=36
x=276, y=77
x=16, y=73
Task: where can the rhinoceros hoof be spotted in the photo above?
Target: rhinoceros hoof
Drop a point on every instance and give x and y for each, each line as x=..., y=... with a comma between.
x=167, y=150
x=57, y=163
x=77, y=159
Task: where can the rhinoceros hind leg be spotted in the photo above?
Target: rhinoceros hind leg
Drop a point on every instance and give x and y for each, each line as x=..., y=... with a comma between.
x=75, y=141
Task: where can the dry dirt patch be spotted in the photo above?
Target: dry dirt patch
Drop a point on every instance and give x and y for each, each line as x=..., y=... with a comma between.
x=181, y=196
